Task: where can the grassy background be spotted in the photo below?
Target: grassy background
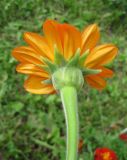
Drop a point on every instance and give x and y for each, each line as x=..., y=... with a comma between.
x=32, y=126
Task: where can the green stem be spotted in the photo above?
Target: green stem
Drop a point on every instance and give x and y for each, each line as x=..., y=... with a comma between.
x=69, y=100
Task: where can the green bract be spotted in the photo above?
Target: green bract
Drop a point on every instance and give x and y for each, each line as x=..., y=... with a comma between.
x=68, y=73
x=67, y=76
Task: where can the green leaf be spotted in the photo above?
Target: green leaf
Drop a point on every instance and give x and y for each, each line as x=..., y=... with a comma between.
x=16, y=106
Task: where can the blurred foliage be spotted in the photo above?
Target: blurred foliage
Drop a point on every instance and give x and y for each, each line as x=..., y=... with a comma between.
x=33, y=126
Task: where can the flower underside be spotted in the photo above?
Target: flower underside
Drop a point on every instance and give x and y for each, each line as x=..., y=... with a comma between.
x=76, y=61
x=63, y=46
x=68, y=70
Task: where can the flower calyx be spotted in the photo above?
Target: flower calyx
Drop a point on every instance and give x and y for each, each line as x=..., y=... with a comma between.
x=68, y=72
x=67, y=76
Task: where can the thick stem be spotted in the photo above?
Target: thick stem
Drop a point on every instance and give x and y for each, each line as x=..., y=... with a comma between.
x=69, y=100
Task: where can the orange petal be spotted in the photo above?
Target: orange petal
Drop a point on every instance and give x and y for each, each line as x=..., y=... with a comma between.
x=90, y=37
x=66, y=37
x=51, y=32
x=106, y=73
x=34, y=84
x=26, y=54
x=71, y=40
x=40, y=44
x=31, y=69
x=95, y=81
x=101, y=55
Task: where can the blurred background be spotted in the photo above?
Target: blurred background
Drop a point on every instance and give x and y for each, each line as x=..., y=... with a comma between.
x=32, y=127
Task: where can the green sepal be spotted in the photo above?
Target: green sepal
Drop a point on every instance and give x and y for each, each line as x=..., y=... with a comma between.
x=47, y=81
x=87, y=71
x=51, y=66
x=83, y=58
x=58, y=58
x=44, y=67
x=73, y=62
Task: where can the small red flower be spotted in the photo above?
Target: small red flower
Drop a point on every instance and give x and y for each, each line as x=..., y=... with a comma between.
x=123, y=137
x=80, y=145
x=104, y=154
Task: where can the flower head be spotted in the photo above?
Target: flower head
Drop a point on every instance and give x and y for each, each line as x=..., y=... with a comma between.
x=63, y=45
x=105, y=154
x=123, y=135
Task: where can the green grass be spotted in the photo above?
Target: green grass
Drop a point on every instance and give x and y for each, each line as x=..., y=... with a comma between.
x=32, y=127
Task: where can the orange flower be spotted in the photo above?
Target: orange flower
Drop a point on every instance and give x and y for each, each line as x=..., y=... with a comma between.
x=67, y=40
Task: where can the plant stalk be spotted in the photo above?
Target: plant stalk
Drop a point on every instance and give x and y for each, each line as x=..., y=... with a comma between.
x=69, y=100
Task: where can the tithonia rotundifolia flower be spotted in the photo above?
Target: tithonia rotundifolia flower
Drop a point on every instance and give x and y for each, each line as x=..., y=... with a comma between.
x=105, y=154
x=61, y=61
x=63, y=45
